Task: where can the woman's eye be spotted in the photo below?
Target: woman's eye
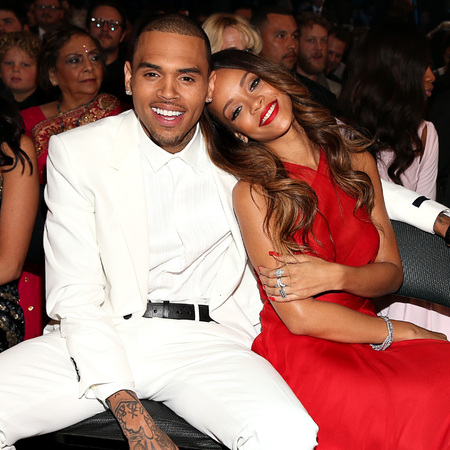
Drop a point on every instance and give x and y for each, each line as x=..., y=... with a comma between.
x=254, y=83
x=236, y=113
x=74, y=60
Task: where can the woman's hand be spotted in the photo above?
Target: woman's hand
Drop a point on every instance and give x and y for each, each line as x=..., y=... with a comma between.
x=405, y=331
x=304, y=276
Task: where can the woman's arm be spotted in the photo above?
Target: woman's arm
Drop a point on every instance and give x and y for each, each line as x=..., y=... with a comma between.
x=20, y=199
x=306, y=315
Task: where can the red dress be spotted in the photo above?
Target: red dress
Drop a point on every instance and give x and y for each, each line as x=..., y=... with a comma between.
x=361, y=399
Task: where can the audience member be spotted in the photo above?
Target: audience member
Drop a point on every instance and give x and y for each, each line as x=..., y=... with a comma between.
x=279, y=36
x=386, y=93
x=338, y=41
x=308, y=192
x=13, y=16
x=231, y=31
x=71, y=65
x=19, y=193
x=312, y=59
x=19, y=52
x=48, y=14
x=106, y=21
x=112, y=186
x=385, y=96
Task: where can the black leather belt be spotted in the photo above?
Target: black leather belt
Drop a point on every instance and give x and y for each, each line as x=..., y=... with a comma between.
x=180, y=311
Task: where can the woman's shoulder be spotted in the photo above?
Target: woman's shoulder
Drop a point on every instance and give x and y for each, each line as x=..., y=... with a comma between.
x=247, y=195
x=363, y=161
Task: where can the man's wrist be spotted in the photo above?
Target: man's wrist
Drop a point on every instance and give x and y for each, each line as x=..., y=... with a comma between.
x=442, y=225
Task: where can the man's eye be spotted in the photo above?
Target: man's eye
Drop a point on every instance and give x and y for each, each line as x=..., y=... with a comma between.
x=236, y=112
x=281, y=35
x=187, y=78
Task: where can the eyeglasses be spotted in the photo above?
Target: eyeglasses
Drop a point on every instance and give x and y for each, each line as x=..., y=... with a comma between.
x=111, y=24
x=52, y=8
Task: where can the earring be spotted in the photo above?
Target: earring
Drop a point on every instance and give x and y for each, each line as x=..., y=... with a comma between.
x=54, y=83
x=209, y=100
x=127, y=92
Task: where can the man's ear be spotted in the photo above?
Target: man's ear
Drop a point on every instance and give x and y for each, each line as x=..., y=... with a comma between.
x=127, y=72
x=241, y=137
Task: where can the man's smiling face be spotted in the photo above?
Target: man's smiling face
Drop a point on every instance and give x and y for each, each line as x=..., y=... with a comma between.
x=169, y=81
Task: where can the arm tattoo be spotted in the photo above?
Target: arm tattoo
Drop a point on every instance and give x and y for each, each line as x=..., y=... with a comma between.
x=141, y=435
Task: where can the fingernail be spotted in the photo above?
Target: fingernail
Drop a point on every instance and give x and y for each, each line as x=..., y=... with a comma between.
x=274, y=254
x=259, y=269
x=271, y=299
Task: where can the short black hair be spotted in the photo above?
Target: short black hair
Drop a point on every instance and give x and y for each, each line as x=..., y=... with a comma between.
x=259, y=17
x=17, y=8
x=172, y=23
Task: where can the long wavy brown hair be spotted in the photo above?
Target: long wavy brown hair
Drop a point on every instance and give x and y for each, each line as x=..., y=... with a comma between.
x=292, y=205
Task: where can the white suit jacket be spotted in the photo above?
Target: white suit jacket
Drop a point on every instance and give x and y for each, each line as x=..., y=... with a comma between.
x=96, y=248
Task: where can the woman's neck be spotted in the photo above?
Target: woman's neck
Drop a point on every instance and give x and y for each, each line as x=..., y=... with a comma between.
x=67, y=104
x=295, y=147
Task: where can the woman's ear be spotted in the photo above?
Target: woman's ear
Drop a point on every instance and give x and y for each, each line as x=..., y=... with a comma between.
x=211, y=81
x=241, y=137
x=52, y=77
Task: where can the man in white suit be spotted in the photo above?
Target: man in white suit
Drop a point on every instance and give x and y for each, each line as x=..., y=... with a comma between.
x=138, y=214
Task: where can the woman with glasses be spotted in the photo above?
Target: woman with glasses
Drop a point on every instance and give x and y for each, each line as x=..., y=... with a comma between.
x=71, y=65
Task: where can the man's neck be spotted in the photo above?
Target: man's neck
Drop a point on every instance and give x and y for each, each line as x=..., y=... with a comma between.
x=111, y=56
x=312, y=77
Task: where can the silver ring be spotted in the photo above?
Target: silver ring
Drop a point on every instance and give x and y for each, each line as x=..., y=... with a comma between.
x=280, y=284
x=279, y=272
x=283, y=293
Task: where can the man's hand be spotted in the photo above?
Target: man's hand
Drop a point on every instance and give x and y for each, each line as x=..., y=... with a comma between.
x=137, y=425
x=441, y=226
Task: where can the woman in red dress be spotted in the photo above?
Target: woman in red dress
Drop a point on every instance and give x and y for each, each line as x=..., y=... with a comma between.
x=309, y=191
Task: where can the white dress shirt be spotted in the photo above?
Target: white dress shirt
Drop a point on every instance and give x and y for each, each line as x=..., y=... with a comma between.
x=188, y=230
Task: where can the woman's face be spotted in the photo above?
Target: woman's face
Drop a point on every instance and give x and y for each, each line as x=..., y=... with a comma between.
x=231, y=38
x=78, y=71
x=428, y=80
x=250, y=107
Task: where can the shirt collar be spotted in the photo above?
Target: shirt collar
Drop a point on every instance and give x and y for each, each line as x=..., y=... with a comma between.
x=194, y=154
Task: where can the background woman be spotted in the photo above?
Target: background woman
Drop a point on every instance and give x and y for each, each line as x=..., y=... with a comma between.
x=70, y=64
x=385, y=95
x=310, y=192
x=232, y=31
x=19, y=192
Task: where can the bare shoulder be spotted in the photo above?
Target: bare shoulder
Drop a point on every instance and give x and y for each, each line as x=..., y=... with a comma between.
x=247, y=196
x=364, y=162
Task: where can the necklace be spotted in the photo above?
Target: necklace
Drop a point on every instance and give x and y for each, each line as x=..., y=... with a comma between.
x=82, y=116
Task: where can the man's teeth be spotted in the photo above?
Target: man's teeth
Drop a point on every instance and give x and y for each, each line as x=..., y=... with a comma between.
x=164, y=112
x=268, y=114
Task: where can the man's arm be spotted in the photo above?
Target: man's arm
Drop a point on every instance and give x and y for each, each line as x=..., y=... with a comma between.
x=410, y=207
x=137, y=425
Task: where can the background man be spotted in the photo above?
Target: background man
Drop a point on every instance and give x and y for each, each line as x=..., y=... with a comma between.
x=312, y=58
x=13, y=16
x=338, y=41
x=48, y=14
x=141, y=232
x=279, y=35
x=106, y=21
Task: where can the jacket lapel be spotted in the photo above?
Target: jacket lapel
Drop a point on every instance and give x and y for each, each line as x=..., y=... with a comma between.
x=125, y=184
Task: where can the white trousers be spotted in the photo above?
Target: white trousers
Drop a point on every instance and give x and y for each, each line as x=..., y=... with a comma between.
x=202, y=371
